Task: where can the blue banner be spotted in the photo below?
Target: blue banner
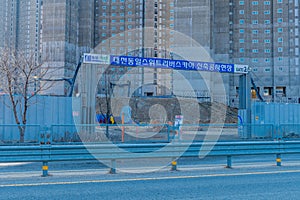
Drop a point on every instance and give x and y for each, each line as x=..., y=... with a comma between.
x=130, y=61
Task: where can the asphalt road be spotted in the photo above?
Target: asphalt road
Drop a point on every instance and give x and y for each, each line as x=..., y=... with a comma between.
x=283, y=184
x=255, y=177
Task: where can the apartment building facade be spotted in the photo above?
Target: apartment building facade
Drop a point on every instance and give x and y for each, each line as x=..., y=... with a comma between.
x=261, y=34
x=265, y=35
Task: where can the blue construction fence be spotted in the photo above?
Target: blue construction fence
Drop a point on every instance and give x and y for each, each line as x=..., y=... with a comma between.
x=271, y=120
x=43, y=111
x=51, y=119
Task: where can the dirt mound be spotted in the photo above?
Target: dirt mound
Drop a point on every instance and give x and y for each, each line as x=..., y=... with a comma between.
x=146, y=110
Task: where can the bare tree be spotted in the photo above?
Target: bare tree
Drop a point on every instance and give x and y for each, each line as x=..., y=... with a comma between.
x=19, y=72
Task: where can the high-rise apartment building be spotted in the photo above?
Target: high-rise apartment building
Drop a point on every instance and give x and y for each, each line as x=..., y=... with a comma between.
x=136, y=28
x=262, y=34
x=265, y=35
x=20, y=22
x=206, y=41
x=47, y=29
x=59, y=38
x=60, y=31
x=8, y=22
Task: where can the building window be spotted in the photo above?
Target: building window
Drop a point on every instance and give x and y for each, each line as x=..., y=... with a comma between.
x=254, y=3
x=242, y=31
x=280, y=20
x=254, y=12
x=267, y=3
x=242, y=3
x=254, y=50
x=242, y=12
x=255, y=41
x=242, y=60
x=267, y=69
x=242, y=50
x=267, y=21
x=254, y=21
x=280, y=39
x=242, y=21
x=279, y=10
x=254, y=60
x=267, y=41
x=280, y=30
x=267, y=12
x=254, y=32
x=280, y=49
x=242, y=41
x=267, y=60
x=267, y=31
x=268, y=91
x=280, y=91
x=267, y=50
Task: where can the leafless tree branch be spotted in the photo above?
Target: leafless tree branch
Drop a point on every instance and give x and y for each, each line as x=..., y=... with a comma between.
x=21, y=72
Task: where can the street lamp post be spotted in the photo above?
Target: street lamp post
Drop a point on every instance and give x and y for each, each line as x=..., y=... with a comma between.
x=35, y=80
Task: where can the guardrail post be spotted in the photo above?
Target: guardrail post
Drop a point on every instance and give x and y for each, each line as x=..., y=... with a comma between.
x=229, y=162
x=278, y=159
x=174, y=165
x=113, y=167
x=45, y=168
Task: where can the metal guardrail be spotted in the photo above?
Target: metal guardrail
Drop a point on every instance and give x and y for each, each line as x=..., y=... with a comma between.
x=51, y=153
x=145, y=133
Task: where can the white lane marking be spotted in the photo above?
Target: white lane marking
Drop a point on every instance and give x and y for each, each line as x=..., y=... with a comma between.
x=13, y=164
x=146, y=179
x=202, y=167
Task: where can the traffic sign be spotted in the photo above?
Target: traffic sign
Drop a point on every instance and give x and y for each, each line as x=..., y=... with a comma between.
x=96, y=58
x=241, y=69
